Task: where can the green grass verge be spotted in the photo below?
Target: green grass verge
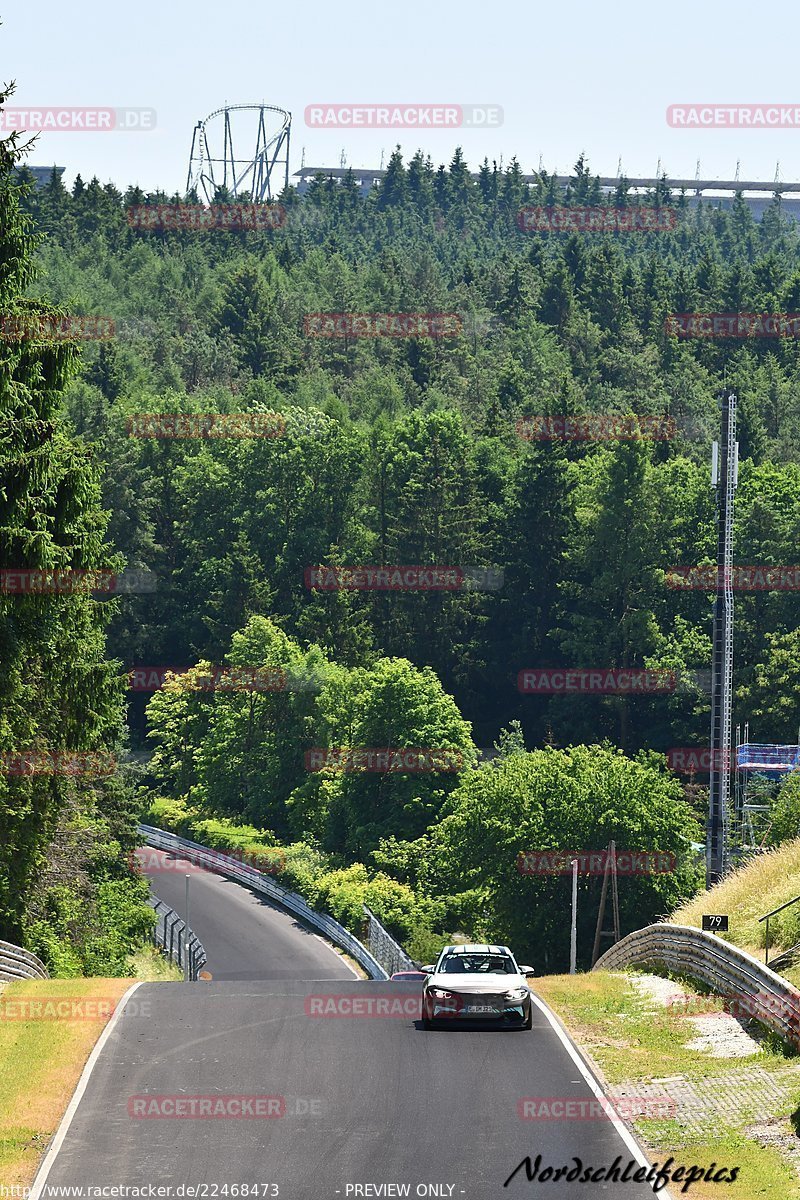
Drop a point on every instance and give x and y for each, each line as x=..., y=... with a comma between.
x=150, y=966
x=42, y=1059
x=633, y=1040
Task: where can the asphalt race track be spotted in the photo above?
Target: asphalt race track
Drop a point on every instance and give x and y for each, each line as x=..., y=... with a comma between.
x=356, y=1100
x=245, y=937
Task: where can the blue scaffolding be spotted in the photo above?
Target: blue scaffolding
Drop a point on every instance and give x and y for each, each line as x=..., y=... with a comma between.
x=756, y=763
x=767, y=758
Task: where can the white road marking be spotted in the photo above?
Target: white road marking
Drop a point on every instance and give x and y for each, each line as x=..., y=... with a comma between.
x=44, y=1170
x=623, y=1131
x=340, y=957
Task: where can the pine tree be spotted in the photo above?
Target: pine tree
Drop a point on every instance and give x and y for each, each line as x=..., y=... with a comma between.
x=57, y=692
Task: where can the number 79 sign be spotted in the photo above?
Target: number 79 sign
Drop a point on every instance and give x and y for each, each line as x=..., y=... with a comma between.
x=715, y=924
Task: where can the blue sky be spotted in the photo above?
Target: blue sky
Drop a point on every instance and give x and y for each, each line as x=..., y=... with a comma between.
x=570, y=77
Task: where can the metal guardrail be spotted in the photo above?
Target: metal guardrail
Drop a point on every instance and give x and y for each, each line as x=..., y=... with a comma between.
x=169, y=935
x=16, y=963
x=382, y=946
x=757, y=991
x=785, y=958
x=766, y=918
x=226, y=865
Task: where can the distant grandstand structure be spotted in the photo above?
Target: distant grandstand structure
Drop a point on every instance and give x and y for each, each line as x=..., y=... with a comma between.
x=42, y=174
x=758, y=194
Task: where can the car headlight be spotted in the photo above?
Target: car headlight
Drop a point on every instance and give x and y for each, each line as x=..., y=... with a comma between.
x=441, y=994
x=517, y=993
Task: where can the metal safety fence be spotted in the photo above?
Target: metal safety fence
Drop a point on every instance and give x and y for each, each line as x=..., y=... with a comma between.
x=169, y=934
x=382, y=946
x=16, y=963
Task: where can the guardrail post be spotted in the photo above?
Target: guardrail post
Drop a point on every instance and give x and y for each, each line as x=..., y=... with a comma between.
x=186, y=932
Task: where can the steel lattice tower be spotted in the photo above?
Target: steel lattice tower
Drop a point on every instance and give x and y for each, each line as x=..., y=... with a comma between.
x=724, y=475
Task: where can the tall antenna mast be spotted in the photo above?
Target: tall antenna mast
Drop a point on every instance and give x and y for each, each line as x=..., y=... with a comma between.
x=724, y=477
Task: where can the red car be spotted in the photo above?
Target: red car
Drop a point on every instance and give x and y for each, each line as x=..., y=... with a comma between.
x=408, y=975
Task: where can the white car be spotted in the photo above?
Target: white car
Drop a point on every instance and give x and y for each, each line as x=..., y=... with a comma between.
x=477, y=983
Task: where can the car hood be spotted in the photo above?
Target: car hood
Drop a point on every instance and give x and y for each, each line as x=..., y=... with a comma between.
x=475, y=984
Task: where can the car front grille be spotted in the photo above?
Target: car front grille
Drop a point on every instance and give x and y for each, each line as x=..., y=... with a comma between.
x=486, y=999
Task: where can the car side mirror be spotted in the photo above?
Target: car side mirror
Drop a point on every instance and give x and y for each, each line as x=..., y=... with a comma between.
x=526, y=971
x=429, y=969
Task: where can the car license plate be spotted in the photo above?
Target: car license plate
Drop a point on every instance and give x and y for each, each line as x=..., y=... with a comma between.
x=479, y=1008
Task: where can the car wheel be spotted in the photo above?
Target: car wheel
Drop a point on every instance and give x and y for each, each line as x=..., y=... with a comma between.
x=528, y=1022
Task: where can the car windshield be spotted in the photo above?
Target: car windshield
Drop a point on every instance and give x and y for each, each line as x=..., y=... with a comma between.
x=485, y=964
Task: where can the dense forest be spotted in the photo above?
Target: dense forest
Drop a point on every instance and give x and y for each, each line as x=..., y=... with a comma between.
x=400, y=451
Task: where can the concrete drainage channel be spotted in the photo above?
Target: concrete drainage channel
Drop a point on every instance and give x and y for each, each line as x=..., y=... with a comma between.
x=756, y=990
